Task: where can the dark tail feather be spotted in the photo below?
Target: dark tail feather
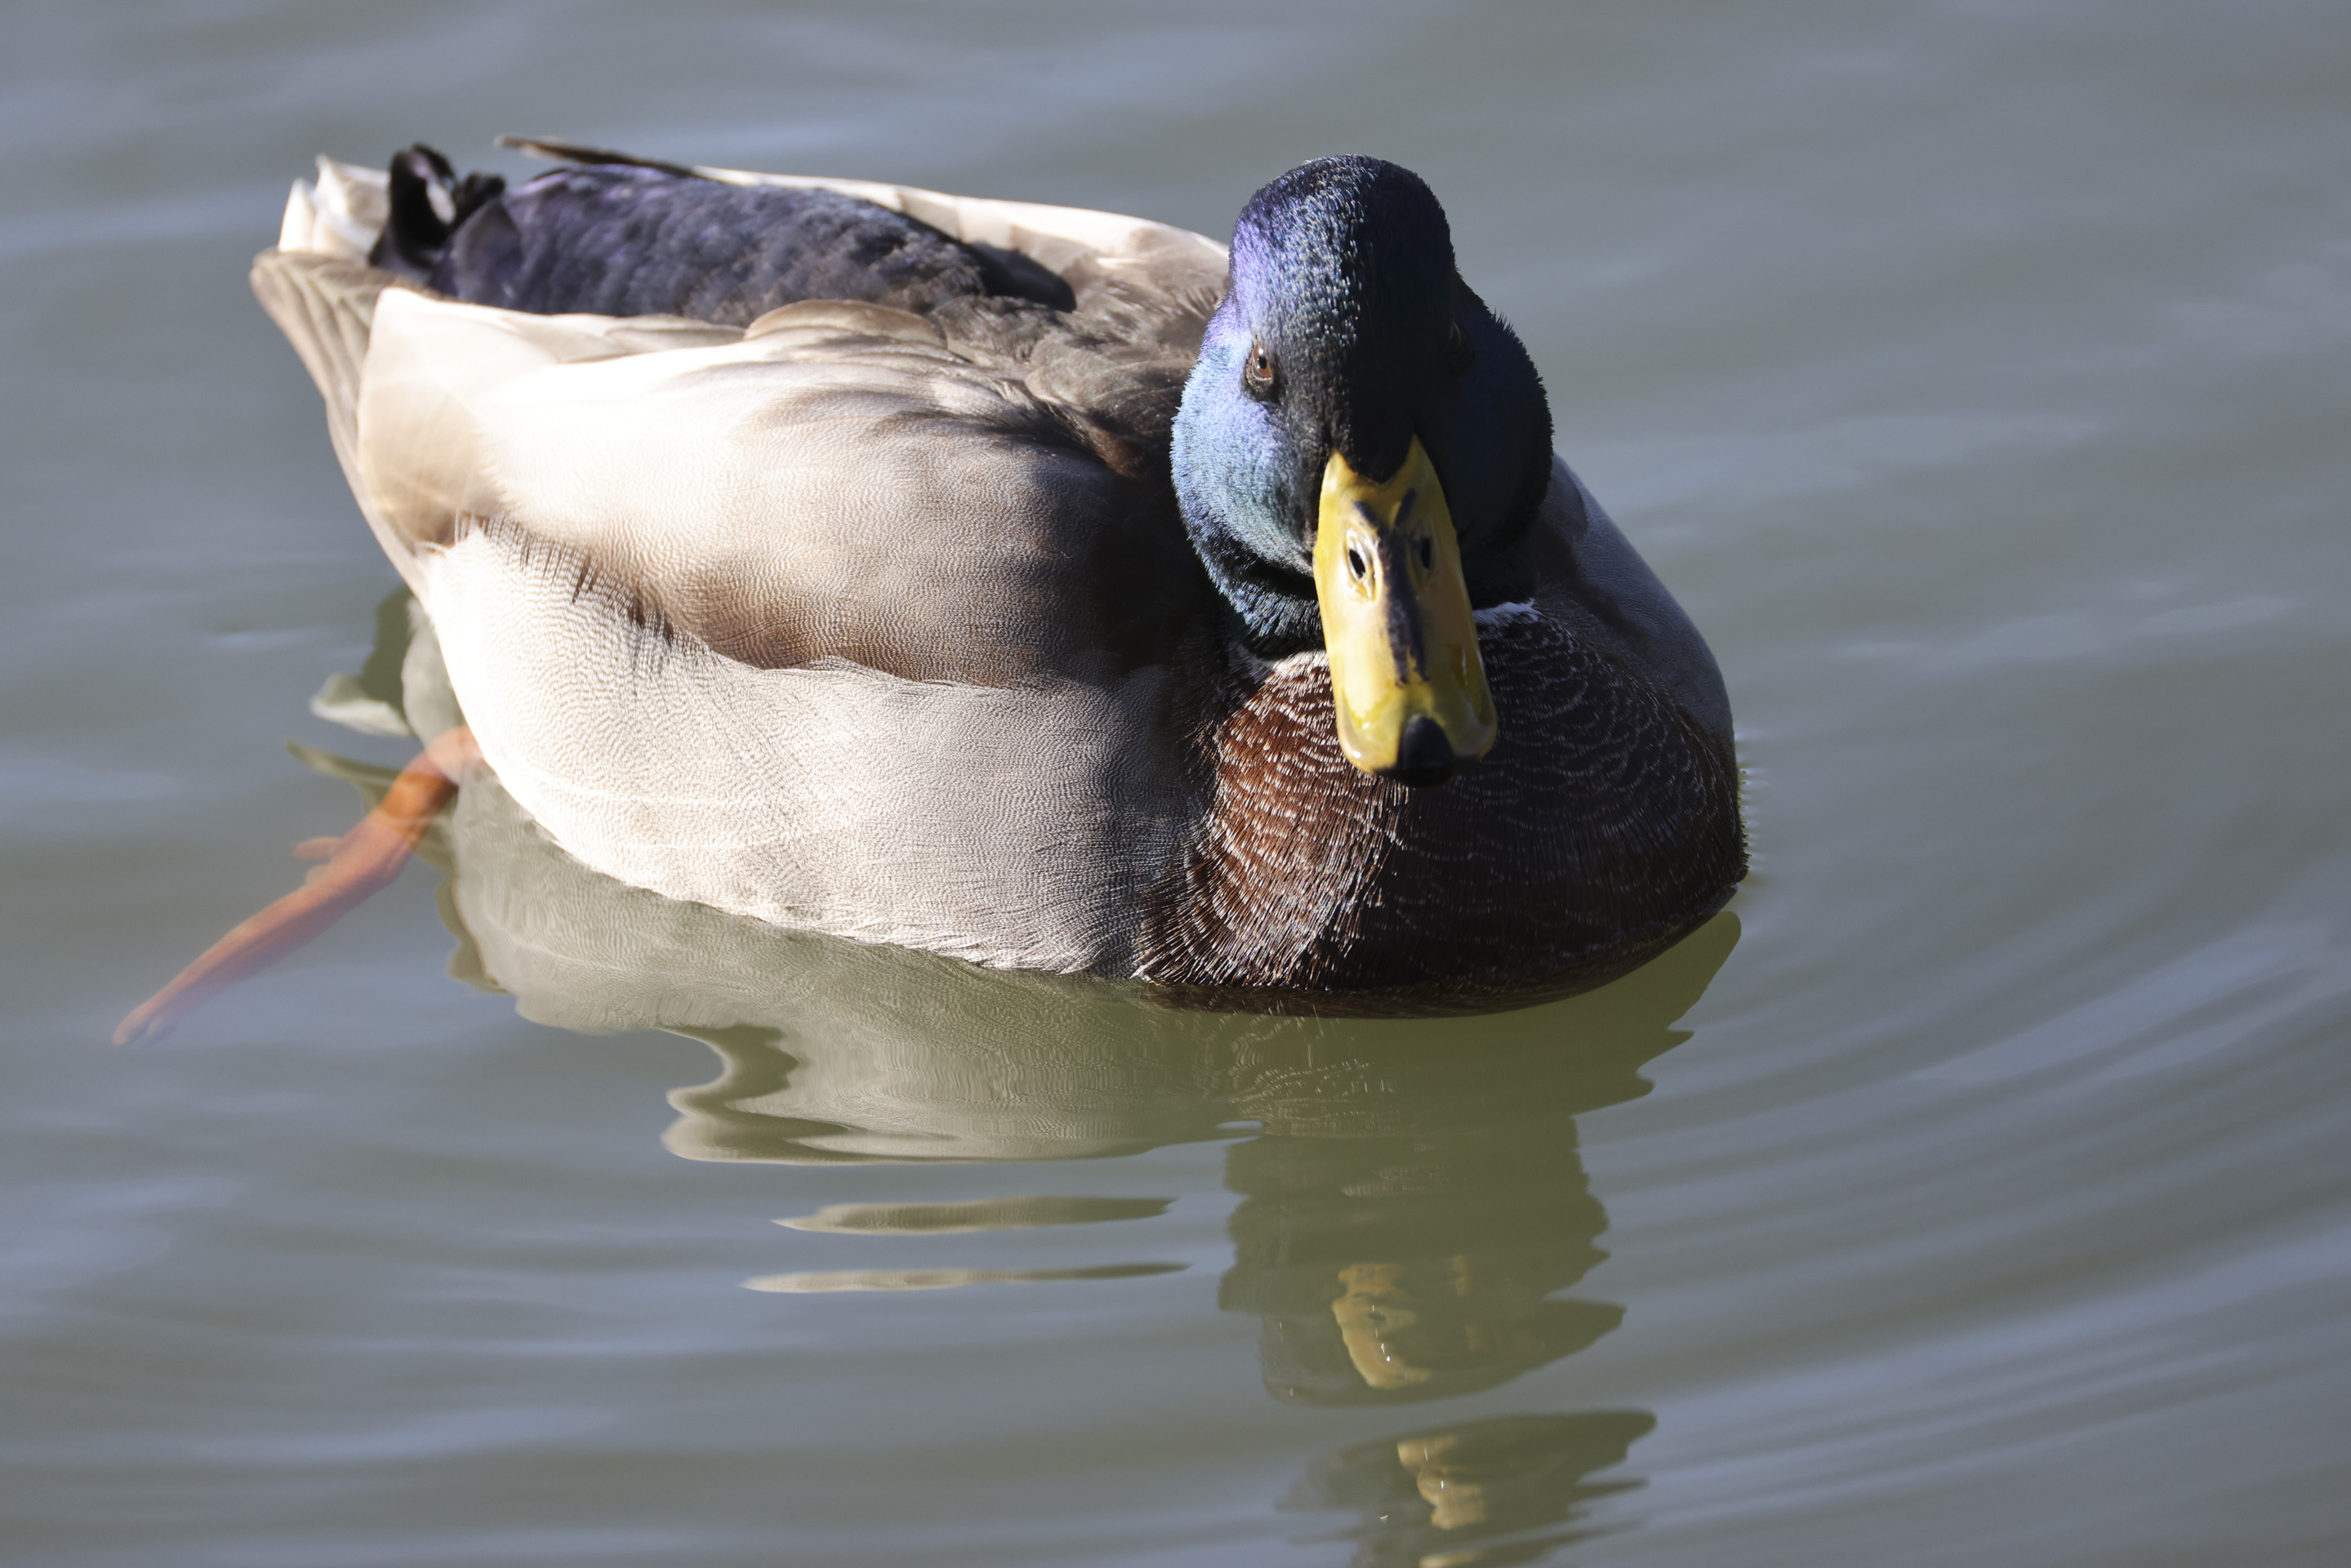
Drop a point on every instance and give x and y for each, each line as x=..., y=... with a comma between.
x=557, y=150
x=428, y=203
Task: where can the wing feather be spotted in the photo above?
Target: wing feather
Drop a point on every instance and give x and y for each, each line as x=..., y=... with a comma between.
x=968, y=499
x=835, y=482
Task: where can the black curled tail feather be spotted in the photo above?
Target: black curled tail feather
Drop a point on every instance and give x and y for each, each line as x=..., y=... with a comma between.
x=428, y=203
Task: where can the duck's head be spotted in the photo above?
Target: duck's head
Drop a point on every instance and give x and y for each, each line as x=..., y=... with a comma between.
x=1362, y=450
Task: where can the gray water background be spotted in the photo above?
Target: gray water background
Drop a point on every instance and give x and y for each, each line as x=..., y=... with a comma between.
x=1980, y=1192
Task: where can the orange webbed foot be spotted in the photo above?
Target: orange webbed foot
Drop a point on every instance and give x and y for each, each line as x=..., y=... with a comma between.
x=353, y=866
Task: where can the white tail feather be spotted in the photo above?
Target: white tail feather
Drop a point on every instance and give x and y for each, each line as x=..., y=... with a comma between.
x=340, y=216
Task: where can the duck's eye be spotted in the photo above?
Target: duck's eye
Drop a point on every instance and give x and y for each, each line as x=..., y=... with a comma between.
x=1456, y=348
x=1257, y=375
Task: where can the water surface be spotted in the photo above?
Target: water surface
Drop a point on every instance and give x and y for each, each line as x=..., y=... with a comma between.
x=1977, y=1190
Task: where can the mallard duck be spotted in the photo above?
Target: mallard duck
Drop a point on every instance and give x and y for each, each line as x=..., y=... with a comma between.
x=1038, y=587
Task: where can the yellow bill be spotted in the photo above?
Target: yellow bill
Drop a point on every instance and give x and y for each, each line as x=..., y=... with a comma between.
x=1407, y=683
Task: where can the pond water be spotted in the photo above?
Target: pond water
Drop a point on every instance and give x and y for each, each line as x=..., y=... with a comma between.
x=1977, y=1189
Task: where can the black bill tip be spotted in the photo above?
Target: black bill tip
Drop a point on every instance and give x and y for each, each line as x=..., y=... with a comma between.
x=1425, y=758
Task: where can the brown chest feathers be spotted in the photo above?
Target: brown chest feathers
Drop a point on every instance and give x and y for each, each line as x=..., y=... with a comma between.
x=1603, y=826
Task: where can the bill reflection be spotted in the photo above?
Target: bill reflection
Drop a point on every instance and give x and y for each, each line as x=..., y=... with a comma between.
x=1413, y=1267
x=1481, y=1493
